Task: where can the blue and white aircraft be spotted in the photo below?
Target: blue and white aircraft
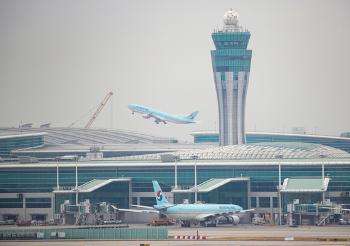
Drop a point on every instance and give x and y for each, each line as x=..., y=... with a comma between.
x=205, y=214
x=163, y=117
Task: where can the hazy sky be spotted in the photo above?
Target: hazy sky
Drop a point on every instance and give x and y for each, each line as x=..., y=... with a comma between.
x=58, y=59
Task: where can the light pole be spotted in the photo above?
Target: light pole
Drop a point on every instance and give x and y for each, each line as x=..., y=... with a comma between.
x=76, y=181
x=322, y=156
x=279, y=157
x=176, y=159
x=57, y=175
x=195, y=157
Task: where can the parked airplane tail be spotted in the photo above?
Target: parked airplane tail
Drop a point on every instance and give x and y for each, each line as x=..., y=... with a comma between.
x=193, y=115
x=160, y=197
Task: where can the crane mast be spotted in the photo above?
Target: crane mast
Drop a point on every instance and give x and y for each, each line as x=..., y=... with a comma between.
x=99, y=109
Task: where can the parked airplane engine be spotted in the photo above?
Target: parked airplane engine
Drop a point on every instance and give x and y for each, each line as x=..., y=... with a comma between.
x=235, y=219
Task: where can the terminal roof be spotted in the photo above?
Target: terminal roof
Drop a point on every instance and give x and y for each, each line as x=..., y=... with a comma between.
x=268, y=150
x=305, y=184
x=212, y=184
x=93, y=185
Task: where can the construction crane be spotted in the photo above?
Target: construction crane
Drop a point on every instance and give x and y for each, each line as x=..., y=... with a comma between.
x=99, y=109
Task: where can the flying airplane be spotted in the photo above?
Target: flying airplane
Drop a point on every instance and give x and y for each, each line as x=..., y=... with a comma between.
x=205, y=214
x=163, y=117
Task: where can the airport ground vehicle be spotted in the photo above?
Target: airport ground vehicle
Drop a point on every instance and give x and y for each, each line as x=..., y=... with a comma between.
x=162, y=222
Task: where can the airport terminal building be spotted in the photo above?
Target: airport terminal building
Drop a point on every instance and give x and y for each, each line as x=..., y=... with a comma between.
x=247, y=175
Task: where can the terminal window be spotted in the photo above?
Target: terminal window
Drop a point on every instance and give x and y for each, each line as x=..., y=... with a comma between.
x=147, y=201
x=275, y=202
x=253, y=202
x=264, y=202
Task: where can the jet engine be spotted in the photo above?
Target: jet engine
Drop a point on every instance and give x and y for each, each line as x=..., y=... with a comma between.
x=234, y=219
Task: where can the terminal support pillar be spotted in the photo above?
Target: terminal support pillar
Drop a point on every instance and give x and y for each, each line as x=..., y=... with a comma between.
x=195, y=182
x=76, y=182
x=322, y=156
x=57, y=176
x=279, y=187
x=323, y=184
x=176, y=159
x=279, y=193
x=195, y=157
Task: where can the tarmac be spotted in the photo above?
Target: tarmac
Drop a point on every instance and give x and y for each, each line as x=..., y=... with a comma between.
x=261, y=231
x=227, y=235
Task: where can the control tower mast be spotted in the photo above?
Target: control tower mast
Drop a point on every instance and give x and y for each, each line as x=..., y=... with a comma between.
x=231, y=66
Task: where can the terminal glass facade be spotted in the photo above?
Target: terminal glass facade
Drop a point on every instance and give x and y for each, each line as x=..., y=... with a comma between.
x=263, y=179
x=13, y=143
x=230, y=193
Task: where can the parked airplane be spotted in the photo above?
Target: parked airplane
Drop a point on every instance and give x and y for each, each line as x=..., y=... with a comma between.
x=205, y=214
x=161, y=116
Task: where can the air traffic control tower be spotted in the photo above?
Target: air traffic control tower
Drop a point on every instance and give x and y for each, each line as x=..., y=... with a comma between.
x=231, y=66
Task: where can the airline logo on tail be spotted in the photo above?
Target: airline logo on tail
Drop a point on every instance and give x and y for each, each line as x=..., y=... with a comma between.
x=159, y=195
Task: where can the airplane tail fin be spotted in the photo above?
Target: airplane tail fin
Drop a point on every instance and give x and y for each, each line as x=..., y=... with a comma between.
x=193, y=115
x=160, y=197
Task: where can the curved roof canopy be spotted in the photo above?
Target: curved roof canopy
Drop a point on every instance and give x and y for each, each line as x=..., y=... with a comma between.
x=268, y=150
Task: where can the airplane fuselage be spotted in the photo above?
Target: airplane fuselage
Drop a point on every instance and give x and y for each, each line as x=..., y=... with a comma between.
x=159, y=115
x=199, y=211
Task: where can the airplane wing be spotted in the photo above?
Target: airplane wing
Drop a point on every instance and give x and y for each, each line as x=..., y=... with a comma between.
x=248, y=210
x=202, y=217
x=139, y=210
x=136, y=210
x=157, y=120
x=141, y=206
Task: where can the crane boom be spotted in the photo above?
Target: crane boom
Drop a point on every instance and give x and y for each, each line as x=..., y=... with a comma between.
x=99, y=109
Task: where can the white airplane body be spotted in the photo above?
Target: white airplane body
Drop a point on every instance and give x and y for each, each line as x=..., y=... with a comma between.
x=160, y=116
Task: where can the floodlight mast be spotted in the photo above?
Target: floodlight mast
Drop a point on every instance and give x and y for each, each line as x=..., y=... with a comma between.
x=322, y=156
x=279, y=187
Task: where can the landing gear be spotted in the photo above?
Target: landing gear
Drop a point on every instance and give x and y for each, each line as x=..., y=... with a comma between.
x=185, y=224
x=208, y=223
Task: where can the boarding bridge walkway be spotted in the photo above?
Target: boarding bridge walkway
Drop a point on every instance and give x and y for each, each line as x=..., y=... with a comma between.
x=320, y=212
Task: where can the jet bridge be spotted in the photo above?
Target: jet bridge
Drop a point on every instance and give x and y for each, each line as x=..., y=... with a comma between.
x=221, y=190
